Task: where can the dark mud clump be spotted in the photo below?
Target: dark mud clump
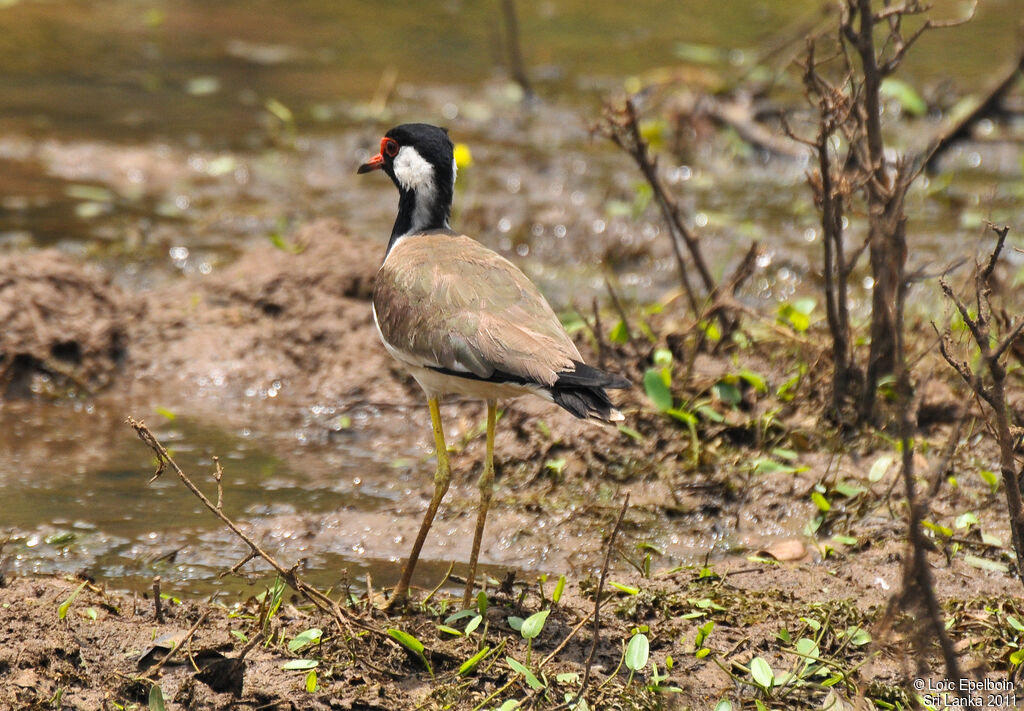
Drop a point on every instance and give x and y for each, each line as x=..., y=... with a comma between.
x=62, y=326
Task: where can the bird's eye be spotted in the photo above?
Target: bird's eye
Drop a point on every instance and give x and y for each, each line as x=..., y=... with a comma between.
x=389, y=147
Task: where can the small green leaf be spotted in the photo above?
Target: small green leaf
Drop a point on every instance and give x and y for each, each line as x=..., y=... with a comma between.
x=631, y=433
x=449, y=630
x=156, y=698
x=624, y=588
x=727, y=393
x=662, y=357
x=567, y=678
x=637, y=652
x=1017, y=658
x=657, y=390
x=166, y=414
x=986, y=564
x=723, y=705
x=533, y=624
x=764, y=465
x=304, y=639
x=60, y=538
x=938, y=528
x=92, y=614
x=807, y=647
x=858, y=635
x=820, y=501
x=311, y=681
x=471, y=663
x=880, y=467
x=1014, y=623
x=412, y=644
x=300, y=664
x=905, y=95
x=515, y=623
x=473, y=624
x=762, y=673
x=619, y=334
x=559, y=589
x=966, y=520
x=509, y=705
x=62, y=611
x=531, y=679
x=459, y=615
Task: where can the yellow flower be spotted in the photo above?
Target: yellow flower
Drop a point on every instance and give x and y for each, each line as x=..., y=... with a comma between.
x=463, y=158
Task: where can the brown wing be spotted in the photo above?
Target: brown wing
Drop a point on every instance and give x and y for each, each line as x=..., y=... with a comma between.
x=448, y=301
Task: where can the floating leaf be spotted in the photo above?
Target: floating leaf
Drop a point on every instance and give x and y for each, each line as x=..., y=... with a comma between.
x=637, y=652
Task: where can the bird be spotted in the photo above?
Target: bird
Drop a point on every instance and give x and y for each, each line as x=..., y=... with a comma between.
x=464, y=320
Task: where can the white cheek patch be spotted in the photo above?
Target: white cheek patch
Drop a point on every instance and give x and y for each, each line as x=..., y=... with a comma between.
x=416, y=174
x=413, y=171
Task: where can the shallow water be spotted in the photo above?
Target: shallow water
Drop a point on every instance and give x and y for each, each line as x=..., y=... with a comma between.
x=162, y=139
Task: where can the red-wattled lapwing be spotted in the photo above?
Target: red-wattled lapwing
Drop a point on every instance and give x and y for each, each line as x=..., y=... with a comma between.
x=465, y=320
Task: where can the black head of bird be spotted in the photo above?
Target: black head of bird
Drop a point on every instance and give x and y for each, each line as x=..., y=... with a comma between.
x=463, y=319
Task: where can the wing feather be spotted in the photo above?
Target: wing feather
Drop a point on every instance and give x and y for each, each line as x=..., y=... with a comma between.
x=449, y=302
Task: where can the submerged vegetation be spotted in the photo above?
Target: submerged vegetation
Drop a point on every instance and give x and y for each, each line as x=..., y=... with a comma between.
x=867, y=440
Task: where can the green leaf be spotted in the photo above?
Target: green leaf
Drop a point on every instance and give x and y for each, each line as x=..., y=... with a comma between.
x=807, y=647
x=304, y=639
x=762, y=673
x=820, y=501
x=765, y=465
x=1017, y=657
x=311, y=681
x=845, y=488
x=619, y=334
x=727, y=393
x=858, y=635
x=966, y=520
x=166, y=414
x=702, y=652
x=156, y=698
x=412, y=644
x=986, y=564
x=459, y=615
x=1014, y=623
x=637, y=652
x=624, y=588
x=59, y=538
x=938, y=528
x=516, y=623
x=631, y=433
x=991, y=479
x=657, y=390
x=556, y=465
x=533, y=624
x=567, y=678
x=509, y=705
x=559, y=589
x=662, y=357
x=473, y=624
x=449, y=630
x=300, y=664
x=754, y=380
x=905, y=95
x=471, y=663
x=62, y=611
x=723, y=705
x=880, y=467
x=531, y=679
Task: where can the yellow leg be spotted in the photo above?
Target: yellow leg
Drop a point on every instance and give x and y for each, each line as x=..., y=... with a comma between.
x=486, y=484
x=442, y=477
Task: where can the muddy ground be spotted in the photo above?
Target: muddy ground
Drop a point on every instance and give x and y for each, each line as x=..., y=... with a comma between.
x=297, y=320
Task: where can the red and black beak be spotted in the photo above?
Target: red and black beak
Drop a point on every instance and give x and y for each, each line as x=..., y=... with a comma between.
x=375, y=163
x=389, y=147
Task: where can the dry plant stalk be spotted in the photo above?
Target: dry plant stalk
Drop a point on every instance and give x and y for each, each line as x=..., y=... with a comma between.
x=869, y=47
x=342, y=617
x=989, y=382
x=621, y=126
